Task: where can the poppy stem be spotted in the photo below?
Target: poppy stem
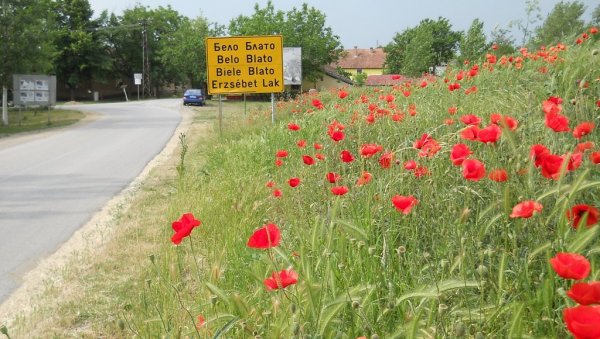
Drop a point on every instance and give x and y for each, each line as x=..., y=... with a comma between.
x=194, y=258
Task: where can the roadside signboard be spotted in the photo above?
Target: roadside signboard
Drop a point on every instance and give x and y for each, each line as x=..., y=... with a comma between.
x=34, y=90
x=292, y=65
x=137, y=78
x=245, y=64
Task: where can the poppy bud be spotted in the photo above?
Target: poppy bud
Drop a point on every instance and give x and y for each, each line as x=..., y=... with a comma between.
x=595, y=52
x=442, y=308
x=482, y=270
x=213, y=299
x=355, y=304
x=460, y=329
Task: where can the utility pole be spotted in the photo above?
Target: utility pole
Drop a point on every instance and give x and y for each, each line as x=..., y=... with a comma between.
x=147, y=85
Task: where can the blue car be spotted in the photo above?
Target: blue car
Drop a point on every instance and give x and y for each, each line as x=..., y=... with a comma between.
x=193, y=97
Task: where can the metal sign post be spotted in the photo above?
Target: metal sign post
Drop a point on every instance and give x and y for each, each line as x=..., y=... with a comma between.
x=137, y=79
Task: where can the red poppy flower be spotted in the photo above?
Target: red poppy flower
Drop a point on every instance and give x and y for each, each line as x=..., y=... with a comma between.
x=459, y=153
x=498, y=175
x=301, y=143
x=200, y=321
x=551, y=165
x=364, y=178
x=570, y=266
x=489, y=134
x=421, y=171
x=575, y=160
x=537, y=153
x=453, y=87
x=293, y=127
x=386, y=159
x=526, y=209
x=318, y=146
x=390, y=98
x=368, y=150
x=270, y=184
x=577, y=213
x=470, y=132
x=278, y=162
x=396, y=77
x=332, y=177
x=557, y=122
x=397, y=117
x=281, y=279
x=595, y=157
x=430, y=148
x=552, y=105
x=403, y=203
x=425, y=138
x=584, y=146
x=342, y=94
x=282, y=153
x=593, y=30
x=308, y=160
x=293, y=182
x=337, y=136
x=265, y=237
x=585, y=293
x=320, y=156
x=470, y=119
x=471, y=89
x=452, y=110
x=582, y=129
x=183, y=227
x=582, y=321
x=277, y=193
x=347, y=156
x=339, y=190
x=317, y=104
x=473, y=169
x=410, y=165
x=449, y=122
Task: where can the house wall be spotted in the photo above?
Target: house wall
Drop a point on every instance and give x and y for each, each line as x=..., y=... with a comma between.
x=327, y=83
x=368, y=71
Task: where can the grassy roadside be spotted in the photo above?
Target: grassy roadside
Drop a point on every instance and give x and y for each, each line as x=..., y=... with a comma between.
x=389, y=214
x=35, y=120
x=89, y=295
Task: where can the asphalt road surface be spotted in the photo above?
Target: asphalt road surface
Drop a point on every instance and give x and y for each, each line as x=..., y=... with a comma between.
x=53, y=184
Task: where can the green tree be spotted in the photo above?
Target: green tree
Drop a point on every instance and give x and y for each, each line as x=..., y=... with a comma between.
x=563, y=21
x=25, y=42
x=444, y=43
x=473, y=45
x=185, y=50
x=418, y=52
x=304, y=27
x=533, y=15
x=81, y=53
x=596, y=16
x=503, y=41
x=140, y=36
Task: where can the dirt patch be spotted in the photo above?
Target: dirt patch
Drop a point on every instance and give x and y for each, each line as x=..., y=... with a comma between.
x=96, y=233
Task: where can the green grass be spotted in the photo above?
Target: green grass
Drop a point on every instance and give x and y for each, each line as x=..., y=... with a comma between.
x=28, y=120
x=456, y=266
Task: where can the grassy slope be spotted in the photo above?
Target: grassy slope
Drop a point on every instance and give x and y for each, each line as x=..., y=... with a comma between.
x=456, y=265
x=38, y=120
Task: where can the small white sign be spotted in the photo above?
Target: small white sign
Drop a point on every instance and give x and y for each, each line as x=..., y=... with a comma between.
x=137, y=78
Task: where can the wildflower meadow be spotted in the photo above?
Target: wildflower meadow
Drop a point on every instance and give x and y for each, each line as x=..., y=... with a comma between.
x=464, y=205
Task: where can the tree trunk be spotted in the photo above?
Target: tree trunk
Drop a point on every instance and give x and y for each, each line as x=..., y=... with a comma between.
x=4, y=105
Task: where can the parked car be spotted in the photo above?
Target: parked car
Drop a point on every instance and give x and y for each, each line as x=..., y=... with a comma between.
x=193, y=97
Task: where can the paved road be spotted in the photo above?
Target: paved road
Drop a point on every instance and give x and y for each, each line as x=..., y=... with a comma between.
x=52, y=185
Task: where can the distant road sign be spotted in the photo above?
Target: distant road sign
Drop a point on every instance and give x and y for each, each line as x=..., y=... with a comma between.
x=245, y=64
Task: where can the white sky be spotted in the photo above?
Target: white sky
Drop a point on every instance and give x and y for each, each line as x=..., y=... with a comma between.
x=365, y=23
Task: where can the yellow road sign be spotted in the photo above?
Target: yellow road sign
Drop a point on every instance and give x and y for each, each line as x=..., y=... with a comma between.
x=245, y=64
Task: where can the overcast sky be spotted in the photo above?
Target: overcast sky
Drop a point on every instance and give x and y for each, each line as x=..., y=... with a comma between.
x=365, y=23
